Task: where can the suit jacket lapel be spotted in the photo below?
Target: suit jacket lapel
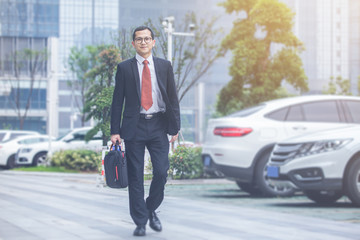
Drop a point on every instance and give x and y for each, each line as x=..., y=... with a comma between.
x=136, y=74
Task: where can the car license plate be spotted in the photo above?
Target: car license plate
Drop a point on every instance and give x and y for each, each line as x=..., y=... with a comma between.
x=207, y=161
x=273, y=171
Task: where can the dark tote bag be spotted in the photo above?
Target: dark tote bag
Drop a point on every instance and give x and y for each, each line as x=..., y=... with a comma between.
x=116, y=167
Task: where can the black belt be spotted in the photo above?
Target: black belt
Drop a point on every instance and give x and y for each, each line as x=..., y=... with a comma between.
x=151, y=116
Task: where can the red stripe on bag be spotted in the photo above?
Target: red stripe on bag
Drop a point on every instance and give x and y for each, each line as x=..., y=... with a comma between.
x=117, y=175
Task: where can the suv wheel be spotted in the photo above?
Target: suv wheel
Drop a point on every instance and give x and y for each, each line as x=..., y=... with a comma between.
x=323, y=197
x=352, y=182
x=249, y=188
x=262, y=182
x=40, y=159
x=11, y=162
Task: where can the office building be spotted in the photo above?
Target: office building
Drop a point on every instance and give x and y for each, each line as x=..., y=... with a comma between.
x=330, y=31
x=30, y=25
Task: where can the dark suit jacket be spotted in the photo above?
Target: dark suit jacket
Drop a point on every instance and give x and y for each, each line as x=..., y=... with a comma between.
x=126, y=103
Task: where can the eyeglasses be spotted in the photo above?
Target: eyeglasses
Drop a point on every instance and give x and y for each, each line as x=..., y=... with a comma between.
x=140, y=40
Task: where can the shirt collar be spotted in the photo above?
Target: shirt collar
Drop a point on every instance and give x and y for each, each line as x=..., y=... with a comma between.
x=140, y=59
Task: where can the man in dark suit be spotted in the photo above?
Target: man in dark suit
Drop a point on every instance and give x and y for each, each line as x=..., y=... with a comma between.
x=144, y=110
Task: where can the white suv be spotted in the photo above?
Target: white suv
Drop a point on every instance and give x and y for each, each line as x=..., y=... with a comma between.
x=325, y=164
x=9, y=147
x=238, y=146
x=6, y=135
x=36, y=154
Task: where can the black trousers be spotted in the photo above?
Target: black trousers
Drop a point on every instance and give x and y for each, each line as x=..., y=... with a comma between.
x=150, y=133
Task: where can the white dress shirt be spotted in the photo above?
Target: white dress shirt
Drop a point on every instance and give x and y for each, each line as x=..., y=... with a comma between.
x=158, y=102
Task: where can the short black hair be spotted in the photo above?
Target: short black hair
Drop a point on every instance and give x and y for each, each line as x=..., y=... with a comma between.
x=141, y=28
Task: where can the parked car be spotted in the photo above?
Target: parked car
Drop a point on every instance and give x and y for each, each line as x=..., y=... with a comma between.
x=9, y=147
x=325, y=164
x=238, y=146
x=12, y=134
x=36, y=154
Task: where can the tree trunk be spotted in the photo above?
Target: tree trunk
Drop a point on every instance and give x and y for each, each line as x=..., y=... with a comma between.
x=21, y=123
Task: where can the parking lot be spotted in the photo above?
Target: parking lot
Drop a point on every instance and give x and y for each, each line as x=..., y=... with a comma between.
x=222, y=191
x=77, y=206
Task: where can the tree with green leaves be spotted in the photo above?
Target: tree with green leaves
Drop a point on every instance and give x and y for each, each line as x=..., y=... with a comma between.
x=192, y=56
x=83, y=60
x=80, y=62
x=30, y=63
x=99, y=95
x=123, y=41
x=265, y=54
x=338, y=86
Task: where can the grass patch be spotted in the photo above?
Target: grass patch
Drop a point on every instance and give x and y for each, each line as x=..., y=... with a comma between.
x=45, y=169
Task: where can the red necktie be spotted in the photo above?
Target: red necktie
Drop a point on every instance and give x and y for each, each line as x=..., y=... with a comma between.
x=146, y=93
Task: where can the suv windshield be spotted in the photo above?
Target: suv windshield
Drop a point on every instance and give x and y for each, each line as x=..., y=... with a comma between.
x=247, y=111
x=2, y=135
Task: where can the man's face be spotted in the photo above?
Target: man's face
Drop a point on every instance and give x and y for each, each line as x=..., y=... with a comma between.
x=143, y=43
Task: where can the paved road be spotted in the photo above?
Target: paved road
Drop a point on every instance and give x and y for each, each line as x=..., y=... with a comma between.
x=221, y=191
x=72, y=206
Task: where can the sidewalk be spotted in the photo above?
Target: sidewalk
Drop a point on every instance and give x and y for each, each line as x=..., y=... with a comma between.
x=94, y=178
x=71, y=207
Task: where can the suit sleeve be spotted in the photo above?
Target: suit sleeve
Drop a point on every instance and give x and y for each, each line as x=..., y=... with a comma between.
x=117, y=102
x=173, y=98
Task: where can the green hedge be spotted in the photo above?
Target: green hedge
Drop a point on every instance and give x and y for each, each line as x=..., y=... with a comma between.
x=186, y=163
x=80, y=160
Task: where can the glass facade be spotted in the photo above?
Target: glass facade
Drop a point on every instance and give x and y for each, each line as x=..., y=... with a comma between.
x=25, y=27
x=29, y=18
x=12, y=59
x=37, y=99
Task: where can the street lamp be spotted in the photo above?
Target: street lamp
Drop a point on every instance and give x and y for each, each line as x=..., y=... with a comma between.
x=52, y=104
x=73, y=118
x=169, y=29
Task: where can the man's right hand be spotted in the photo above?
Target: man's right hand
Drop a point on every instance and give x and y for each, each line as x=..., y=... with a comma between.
x=114, y=138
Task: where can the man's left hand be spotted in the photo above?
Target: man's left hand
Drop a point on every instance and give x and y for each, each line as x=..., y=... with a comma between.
x=173, y=138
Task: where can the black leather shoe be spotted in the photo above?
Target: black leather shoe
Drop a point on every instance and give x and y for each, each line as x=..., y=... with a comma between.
x=155, y=223
x=140, y=231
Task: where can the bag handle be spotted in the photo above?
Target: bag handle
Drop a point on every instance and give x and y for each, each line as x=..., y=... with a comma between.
x=116, y=146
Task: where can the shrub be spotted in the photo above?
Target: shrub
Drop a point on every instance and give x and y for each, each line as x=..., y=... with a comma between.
x=185, y=163
x=80, y=160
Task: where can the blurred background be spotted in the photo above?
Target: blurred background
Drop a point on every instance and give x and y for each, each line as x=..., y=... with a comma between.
x=43, y=42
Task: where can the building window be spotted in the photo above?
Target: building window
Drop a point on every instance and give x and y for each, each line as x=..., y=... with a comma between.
x=338, y=68
x=37, y=101
x=338, y=39
x=13, y=49
x=338, y=53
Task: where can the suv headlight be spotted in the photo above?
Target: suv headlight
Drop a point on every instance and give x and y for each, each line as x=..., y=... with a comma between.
x=311, y=148
x=26, y=150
